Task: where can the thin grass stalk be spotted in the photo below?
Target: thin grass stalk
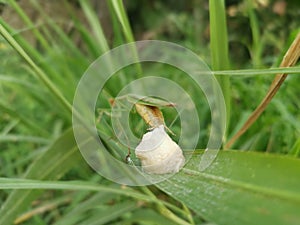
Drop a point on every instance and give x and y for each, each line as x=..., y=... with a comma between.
x=95, y=25
x=256, y=37
x=219, y=48
x=254, y=72
x=121, y=15
x=28, y=21
x=26, y=184
x=116, y=26
x=27, y=47
x=290, y=59
x=120, y=11
x=58, y=30
x=39, y=73
x=31, y=51
x=164, y=210
x=27, y=123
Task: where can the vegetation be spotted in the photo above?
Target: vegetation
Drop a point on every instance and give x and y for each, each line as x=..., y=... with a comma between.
x=44, y=178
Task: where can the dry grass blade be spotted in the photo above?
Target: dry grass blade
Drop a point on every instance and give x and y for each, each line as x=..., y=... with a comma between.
x=42, y=209
x=291, y=57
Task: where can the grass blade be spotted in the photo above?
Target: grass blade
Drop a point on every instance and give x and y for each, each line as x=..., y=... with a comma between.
x=291, y=57
x=254, y=72
x=119, y=10
x=219, y=47
x=95, y=25
x=40, y=74
x=57, y=160
x=28, y=21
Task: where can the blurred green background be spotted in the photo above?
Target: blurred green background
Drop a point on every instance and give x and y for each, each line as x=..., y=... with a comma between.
x=47, y=45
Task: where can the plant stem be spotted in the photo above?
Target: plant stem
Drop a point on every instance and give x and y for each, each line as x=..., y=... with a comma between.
x=164, y=210
x=291, y=57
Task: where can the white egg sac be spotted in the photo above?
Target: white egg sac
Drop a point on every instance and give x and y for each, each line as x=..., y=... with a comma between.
x=158, y=153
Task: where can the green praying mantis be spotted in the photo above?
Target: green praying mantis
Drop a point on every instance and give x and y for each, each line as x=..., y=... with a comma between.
x=149, y=110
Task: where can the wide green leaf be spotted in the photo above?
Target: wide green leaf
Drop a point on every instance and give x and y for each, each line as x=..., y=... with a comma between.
x=240, y=188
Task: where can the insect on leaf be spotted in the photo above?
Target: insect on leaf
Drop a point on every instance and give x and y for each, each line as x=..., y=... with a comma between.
x=149, y=101
x=151, y=115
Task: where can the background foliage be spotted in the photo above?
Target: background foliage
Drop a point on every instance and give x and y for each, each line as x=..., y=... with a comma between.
x=39, y=159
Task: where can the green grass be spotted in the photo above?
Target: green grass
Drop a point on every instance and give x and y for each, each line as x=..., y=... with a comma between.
x=219, y=49
x=42, y=168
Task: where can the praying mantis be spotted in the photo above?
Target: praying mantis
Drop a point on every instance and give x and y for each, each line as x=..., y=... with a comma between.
x=149, y=110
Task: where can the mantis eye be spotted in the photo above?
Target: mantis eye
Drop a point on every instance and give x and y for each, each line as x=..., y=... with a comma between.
x=158, y=153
